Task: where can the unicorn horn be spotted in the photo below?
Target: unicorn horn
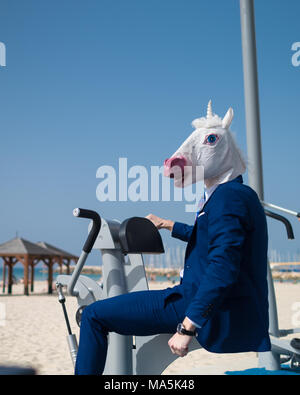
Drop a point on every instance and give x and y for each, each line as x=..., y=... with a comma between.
x=209, y=110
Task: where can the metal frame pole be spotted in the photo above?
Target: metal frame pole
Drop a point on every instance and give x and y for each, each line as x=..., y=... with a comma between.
x=255, y=172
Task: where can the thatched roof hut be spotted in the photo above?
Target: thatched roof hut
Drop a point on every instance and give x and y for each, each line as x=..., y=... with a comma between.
x=30, y=254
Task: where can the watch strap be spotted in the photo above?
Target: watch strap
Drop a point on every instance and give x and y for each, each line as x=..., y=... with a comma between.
x=181, y=329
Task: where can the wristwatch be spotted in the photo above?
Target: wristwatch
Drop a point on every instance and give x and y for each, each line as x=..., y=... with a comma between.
x=182, y=331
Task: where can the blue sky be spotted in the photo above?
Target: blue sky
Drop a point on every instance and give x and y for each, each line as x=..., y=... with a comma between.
x=88, y=82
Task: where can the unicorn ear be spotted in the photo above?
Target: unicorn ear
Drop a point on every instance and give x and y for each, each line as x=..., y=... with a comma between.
x=227, y=119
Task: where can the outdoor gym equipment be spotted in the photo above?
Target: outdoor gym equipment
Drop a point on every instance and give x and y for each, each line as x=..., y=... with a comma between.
x=122, y=246
x=271, y=360
x=283, y=350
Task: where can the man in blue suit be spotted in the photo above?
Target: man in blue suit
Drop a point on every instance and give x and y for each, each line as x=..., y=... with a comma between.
x=223, y=296
x=225, y=273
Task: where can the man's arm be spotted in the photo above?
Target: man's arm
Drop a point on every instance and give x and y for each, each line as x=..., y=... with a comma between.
x=227, y=230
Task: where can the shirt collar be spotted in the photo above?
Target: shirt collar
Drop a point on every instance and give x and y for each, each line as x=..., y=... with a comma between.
x=209, y=191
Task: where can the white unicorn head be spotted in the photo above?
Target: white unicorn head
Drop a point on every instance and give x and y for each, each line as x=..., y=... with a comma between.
x=212, y=148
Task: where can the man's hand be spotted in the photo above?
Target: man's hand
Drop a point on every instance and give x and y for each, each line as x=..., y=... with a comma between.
x=179, y=344
x=161, y=223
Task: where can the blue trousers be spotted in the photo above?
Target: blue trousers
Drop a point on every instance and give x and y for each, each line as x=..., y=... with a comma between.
x=141, y=313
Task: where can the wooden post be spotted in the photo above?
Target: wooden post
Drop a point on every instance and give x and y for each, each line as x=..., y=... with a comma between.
x=26, y=264
x=4, y=275
x=10, y=276
x=50, y=276
x=32, y=275
x=60, y=265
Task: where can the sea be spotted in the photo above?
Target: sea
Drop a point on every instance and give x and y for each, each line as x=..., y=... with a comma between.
x=41, y=274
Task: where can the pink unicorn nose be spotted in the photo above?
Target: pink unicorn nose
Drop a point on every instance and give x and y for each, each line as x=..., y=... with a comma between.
x=177, y=161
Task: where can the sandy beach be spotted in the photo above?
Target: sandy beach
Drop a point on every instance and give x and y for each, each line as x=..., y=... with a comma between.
x=33, y=333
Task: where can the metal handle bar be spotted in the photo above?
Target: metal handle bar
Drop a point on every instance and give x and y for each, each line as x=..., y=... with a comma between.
x=286, y=222
x=95, y=217
x=90, y=241
x=285, y=210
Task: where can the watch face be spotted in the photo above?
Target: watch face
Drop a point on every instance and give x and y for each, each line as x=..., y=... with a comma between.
x=179, y=327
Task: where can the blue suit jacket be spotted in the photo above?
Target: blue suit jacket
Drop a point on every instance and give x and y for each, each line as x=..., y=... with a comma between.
x=225, y=271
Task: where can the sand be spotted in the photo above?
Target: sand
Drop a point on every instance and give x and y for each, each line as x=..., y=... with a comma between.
x=33, y=333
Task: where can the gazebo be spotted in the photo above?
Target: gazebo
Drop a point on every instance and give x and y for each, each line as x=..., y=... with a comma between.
x=30, y=254
x=60, y=256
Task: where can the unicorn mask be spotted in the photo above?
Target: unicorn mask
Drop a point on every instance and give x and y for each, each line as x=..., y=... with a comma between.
x=212, y=148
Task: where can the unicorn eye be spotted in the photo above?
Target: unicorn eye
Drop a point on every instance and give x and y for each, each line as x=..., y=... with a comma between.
x=211, y=139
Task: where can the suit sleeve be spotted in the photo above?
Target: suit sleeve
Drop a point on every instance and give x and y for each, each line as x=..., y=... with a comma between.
x=182, y=231
x=227, y=226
